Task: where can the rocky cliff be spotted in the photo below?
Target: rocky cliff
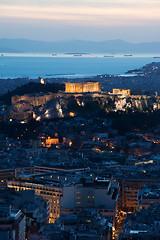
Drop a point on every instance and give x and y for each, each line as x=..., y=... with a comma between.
x=47, y=106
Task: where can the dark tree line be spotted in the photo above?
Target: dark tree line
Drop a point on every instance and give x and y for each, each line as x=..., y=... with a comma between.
x=127, y=122
x=31, y=87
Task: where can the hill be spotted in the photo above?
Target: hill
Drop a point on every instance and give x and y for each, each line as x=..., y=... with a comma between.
x=111, y=46
x=29, y=88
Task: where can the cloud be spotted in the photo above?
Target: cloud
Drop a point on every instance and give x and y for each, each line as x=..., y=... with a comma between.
x=81, y=19
x=84, y=3
x=89, y=15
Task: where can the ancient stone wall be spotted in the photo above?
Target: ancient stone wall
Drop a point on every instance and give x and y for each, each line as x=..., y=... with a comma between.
x=22, y=115
x=122, y=91
x=91, y=87
x=82, y=87
x=35, y=100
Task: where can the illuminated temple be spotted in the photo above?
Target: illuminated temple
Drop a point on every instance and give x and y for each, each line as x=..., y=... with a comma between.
x=82, y=87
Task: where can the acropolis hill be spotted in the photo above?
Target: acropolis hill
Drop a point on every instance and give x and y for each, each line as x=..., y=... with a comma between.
x=70, y=88
x=75, y=98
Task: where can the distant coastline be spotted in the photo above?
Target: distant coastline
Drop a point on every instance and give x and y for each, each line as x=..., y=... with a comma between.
x=76, y=46
x=145, y=78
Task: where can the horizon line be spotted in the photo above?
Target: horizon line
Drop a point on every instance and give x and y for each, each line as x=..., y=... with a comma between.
x=82, y=40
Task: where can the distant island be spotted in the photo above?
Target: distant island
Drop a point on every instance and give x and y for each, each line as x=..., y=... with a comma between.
x=77, y=47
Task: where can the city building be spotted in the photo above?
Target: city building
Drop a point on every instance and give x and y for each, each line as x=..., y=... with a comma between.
x=130, y=187
x=51, y=191
x=12, y=223
x=99, y=194
x=141, y=225
x=35, y=208
x=69, y=191
x=84, y=224
x=148, y=195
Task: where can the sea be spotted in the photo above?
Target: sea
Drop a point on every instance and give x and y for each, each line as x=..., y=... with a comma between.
x=70, y=65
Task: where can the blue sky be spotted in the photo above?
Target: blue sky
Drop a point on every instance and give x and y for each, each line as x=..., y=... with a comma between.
x=98, y=20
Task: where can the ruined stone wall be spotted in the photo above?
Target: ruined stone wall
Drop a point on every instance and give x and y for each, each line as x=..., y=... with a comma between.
x=91, y=87
x=36, y=100
x=73, y=87
x=22, y=115
x=16, y=99
x=122, y=91
x=82, y=87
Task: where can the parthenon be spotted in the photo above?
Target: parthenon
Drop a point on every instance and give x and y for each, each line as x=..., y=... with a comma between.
x=82, y=87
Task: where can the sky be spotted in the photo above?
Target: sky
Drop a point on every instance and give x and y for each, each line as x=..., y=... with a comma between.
x=98, y=20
